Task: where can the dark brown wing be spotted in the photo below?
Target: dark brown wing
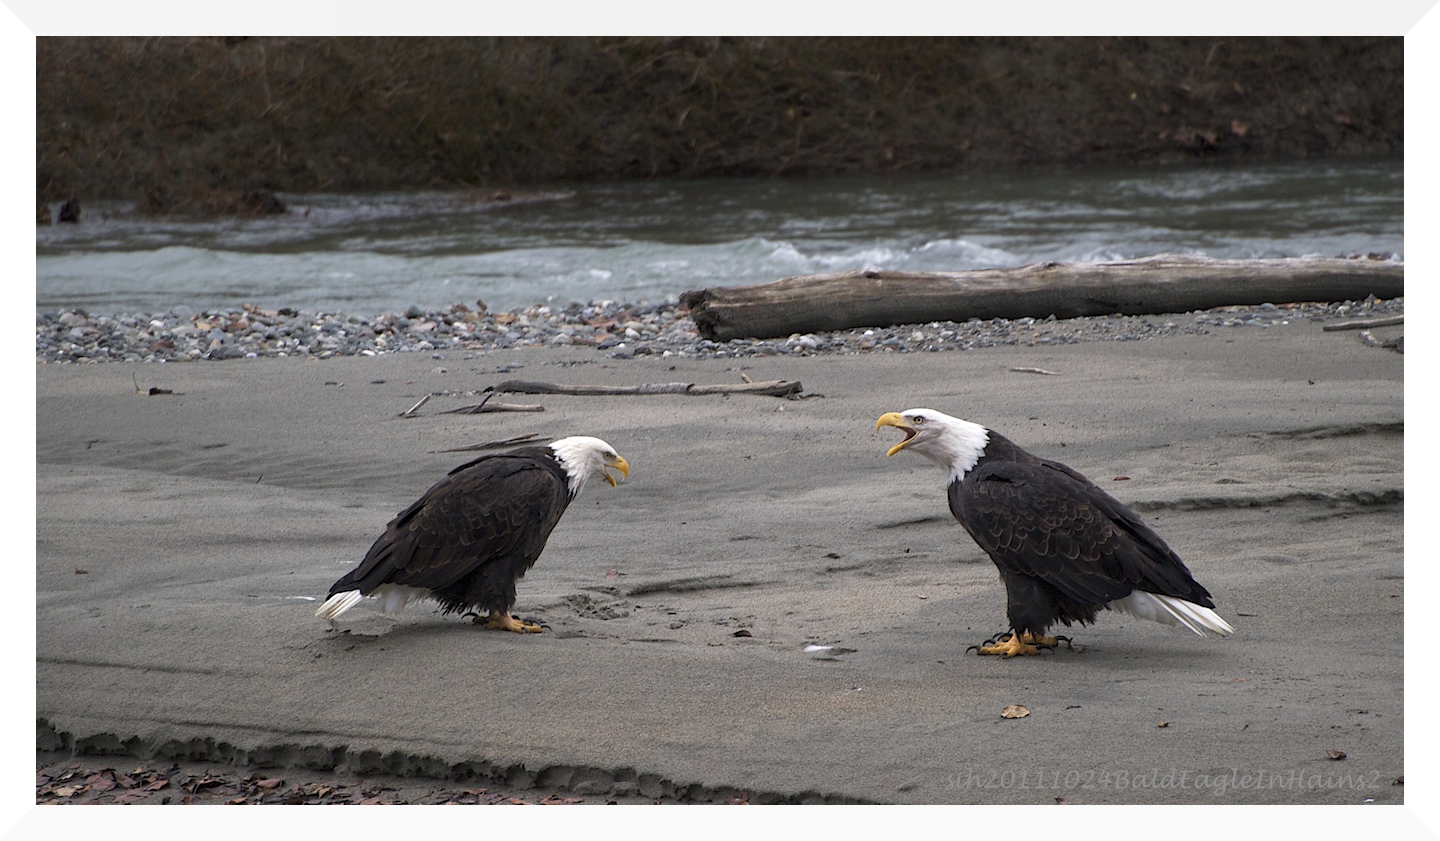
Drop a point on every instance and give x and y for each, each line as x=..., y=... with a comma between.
x=1043, y=519
x=496, y=510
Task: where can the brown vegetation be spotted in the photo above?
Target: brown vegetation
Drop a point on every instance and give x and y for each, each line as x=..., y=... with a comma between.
x=194, y=123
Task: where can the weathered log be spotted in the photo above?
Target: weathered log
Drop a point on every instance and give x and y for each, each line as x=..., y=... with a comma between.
x=773, y=388
x=1160, y=284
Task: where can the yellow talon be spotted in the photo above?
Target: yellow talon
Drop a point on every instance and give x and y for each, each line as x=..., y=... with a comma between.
x=1045, y=642
x=1010, y=645
x=501, y=621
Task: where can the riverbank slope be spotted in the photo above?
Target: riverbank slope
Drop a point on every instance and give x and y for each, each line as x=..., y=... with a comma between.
x=202, y=124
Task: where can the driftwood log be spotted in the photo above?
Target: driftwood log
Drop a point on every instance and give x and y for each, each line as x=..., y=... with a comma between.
x=774, y=388
x=1160, y=284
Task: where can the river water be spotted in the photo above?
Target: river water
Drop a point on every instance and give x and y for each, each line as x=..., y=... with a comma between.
x=650, y=241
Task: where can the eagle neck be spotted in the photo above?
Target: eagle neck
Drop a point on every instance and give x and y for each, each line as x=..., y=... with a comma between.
x=963, y=445
x=575, y=467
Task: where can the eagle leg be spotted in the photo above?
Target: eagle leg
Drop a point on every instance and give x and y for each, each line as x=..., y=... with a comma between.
x=1009, y=644
x=500, y=620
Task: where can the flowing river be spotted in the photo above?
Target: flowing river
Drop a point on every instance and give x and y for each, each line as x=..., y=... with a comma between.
x=633, y=242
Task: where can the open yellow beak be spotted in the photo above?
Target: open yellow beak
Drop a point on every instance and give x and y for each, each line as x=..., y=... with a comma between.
x=896, y=420
x=621, y=465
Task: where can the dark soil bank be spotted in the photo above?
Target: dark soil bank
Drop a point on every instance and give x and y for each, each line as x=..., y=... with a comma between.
x=199, y=123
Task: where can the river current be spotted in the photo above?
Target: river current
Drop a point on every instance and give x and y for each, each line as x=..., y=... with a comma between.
x=367, y=254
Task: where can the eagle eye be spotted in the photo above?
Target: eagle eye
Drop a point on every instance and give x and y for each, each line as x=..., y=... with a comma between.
x=918, y=419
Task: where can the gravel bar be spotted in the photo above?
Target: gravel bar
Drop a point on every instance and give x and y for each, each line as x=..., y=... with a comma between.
x=618, y=331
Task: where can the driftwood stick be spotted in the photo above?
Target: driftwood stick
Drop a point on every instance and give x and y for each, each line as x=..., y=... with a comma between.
x=1161, y=284
x=478, y=407
x=410, y=412
x=486, y=405
x=774, y=388
x=1366, y=323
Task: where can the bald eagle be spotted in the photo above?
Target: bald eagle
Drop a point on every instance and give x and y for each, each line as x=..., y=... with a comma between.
x=1065, y=548
x=474, y=534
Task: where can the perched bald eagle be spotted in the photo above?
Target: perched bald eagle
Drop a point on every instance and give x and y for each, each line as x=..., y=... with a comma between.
x=474, y=534
x=1065, y=548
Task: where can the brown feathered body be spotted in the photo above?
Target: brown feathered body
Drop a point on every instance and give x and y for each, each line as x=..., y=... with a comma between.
x=1065, y=548
x=471, y=537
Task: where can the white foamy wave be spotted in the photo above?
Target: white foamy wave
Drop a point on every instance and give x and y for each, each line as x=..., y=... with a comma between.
x=866, y=258
x=963, y=254
x=797, y=260
x=785, y=252
x=1095, y=254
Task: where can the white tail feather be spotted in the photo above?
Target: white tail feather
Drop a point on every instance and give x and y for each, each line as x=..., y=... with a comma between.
x=393, y=598
x=1168, y=610
x=338, y=604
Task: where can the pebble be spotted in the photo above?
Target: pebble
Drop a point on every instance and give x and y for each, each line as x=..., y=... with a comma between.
x=614, y=330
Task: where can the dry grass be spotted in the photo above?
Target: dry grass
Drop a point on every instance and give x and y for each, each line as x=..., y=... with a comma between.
x=187, y=124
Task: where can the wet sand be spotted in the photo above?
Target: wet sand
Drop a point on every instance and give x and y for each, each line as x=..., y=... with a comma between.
x=183, y=540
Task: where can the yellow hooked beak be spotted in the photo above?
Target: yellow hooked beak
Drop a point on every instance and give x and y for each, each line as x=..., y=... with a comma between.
x=621, y=465
x=896, y=420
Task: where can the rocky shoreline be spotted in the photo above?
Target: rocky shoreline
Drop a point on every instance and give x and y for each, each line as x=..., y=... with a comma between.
x=619, y=331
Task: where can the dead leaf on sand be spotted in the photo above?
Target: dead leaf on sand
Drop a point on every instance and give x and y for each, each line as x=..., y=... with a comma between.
x=557, y=800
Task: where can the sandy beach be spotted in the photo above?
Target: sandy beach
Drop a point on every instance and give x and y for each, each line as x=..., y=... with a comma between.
x=184, y=538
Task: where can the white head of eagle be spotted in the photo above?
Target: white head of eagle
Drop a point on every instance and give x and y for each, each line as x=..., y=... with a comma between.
x=954, y=444
x=467, y=540
x=1064, y=547
x=583, y=457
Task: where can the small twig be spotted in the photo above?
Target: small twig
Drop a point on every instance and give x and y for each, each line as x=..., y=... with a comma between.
x=147, y=391
x=477, y=408
x=410, y=412
x=1036, y=371
x=1366, y=323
